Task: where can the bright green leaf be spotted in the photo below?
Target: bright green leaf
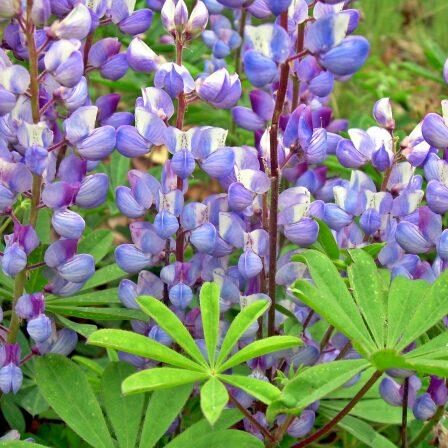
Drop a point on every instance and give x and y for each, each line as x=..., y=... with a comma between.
x=260, y=348
x=261, y=390
x=102, y=297
x=227, y=438
x=367, y=291
x=137, y=344
x=167, y=320
x=103, y=276
x=93, y=313
x=239, y=326
x=160, y=378
x=97, y=243
x=209, y=303
x=327, y=241
x=124, y=412
x=214, y=397
x=66, y=389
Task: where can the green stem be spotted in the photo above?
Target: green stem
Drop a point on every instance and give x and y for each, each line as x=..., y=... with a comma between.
x=421, y=436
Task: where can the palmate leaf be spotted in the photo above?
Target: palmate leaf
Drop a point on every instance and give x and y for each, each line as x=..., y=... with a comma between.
x=260, y=348
x=261, y=390
x=214, y=397
x=367, y=291
x=209, y=302
x=239, y=326
x=160, y=378
x=139, y=345
x=314, y=383
x=225, y=439
x=169, y=322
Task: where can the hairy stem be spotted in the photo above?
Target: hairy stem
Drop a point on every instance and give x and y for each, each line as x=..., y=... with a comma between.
x=421, y=436
x=337, y=418
x=275, y=182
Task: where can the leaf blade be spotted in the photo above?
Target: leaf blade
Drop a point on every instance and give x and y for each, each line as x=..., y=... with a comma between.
x=209, y=303
x=214, y=397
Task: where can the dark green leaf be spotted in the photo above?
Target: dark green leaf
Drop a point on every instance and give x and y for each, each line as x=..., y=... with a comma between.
x=94, y=313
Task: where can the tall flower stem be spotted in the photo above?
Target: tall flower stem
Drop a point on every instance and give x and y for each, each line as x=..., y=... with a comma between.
x=337, y=418
x=275, y=181
x=241, y=33
x=295, y=80
x=19, y=282
x=180, y=117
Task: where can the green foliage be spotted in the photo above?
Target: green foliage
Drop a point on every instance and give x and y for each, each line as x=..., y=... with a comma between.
x=192, y=366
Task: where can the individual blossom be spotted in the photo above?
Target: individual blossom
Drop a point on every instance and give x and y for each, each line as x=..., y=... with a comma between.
x=174, y=79
x=219, y=89
x=222, y=39
x=11, y=375
x=260, y=113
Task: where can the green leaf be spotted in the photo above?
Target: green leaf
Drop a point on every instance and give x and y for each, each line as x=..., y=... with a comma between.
x=214, y=398
x=67, y=391
x=362, y=431
x=187, y=438
x=32, y=400
x=404, y=295
x=430, y=310
x=331, y=299
x=376, y=410
x=327, y=241
x=314, y=383
x=261, y=390
x=169, y=322
x=102, y=297
x=227, y=438
x=209, y=303
x=163, y=408
x=43, y=226
x=20, y=444
x=97, y=243
x=160, y=378
x=436, y=348
x=118, y=169
x=137, y=344
x=103, y=276
x=330, y=310
x=87, y=312
x=260, y=348
x=12, y=413
x=373, y=249
x=239, y=326
x=83, y=329
x=124, y=413
x=367, y=291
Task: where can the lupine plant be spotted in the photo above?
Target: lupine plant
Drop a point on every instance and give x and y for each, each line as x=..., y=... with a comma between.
x=298, y=295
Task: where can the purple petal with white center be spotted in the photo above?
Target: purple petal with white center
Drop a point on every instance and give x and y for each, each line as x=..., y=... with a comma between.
x=145, y=238
x=150, y=126
x=183, y=163
x=382, y=112
x=102, y=50
x=140, y=57
x=239, y=197
x=7, y=101
x=76, y=25
x=316, y=151
x=231, y=229
x=255, y=181
x=15, y=79
x=80, y=123
x=326, y=32
x=193, y=215
x=348, y=155
x=158, y=102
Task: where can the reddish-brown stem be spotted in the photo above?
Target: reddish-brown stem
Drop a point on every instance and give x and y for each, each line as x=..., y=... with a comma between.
x=297, y=56
x=275, y=181
x=337, y=418
x=241, y=33
x=295, y=81
x=250, y=417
